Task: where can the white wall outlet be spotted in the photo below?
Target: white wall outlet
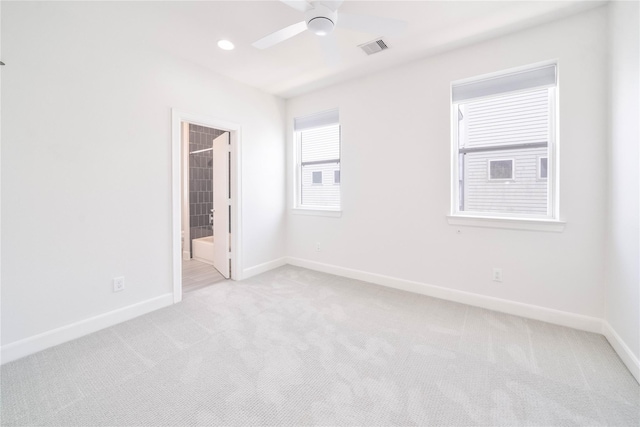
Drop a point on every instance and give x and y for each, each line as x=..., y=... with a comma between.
x=118, y=284
x=318, y=247
x=497, y=274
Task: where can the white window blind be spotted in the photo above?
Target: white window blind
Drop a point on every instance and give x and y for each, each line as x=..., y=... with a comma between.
x=538, y=77
x=325, y=118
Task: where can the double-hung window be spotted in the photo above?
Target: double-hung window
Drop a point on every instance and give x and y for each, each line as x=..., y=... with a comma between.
x=317, y=153
x=504, y=145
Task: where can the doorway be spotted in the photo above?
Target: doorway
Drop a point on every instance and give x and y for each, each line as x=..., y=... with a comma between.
x=206, y=224
x=205, y=206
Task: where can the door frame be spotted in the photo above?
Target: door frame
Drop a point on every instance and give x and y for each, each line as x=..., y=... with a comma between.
x=235, y=135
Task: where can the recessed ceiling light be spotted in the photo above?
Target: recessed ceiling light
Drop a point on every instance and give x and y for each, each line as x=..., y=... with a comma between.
x=225, y=45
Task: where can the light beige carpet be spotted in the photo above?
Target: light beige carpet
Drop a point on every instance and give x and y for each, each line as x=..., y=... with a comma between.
x=294, y=347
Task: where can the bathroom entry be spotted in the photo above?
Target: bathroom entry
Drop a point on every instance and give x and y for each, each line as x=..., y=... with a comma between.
x=205, y=205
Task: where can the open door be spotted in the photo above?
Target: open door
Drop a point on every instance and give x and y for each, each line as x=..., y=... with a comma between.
x=221, y=204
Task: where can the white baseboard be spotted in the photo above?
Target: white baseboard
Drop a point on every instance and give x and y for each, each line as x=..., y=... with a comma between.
x=36, y=343
x=563, y=318
x=261, y=268
x=630, y=360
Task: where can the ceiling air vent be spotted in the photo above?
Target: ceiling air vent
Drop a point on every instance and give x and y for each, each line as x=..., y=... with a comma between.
x=374, y=47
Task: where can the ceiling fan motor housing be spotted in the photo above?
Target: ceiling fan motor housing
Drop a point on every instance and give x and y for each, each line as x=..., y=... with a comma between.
x=321, y=20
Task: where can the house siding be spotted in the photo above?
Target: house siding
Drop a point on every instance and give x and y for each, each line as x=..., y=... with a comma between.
x=521, y=118
x=326, y=194
x=525, y=193
x=320, y=145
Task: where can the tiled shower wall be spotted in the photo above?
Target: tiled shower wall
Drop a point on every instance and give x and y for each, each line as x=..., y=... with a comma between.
x=201, y=179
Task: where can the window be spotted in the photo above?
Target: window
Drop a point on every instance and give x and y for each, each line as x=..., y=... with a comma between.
x=317, y=153
x=316, y=177
x=500, y=169
x=336, y=177
x=503, y=145
x=542, y=168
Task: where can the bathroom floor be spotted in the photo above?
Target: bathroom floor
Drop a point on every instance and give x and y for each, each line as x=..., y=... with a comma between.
x=196, y=275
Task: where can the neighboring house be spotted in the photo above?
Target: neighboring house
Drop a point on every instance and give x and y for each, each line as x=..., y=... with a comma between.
x=321, y=185
x=320, y=167
x=504, y=145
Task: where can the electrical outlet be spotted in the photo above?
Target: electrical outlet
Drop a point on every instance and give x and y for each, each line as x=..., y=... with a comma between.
x=497, y=274
x=317, y=247
x=118, y=284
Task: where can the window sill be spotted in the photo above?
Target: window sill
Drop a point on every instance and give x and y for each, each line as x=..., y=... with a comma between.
x=508, y=223
x=317, y=212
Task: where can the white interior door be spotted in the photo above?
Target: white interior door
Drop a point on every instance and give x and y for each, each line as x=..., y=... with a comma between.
x=221, y=204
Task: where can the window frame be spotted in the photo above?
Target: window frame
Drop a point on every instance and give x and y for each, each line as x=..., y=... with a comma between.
x=549, y=222
x=298, y=207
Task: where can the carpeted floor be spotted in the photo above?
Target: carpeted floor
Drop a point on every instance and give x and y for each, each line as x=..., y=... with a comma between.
x=296, y=347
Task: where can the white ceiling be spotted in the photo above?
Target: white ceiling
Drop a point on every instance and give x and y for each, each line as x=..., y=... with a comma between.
x=192, y=29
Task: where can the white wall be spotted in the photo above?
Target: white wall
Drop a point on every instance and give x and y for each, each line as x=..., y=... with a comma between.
x=396, y=175
x=86, y=162
x=623, y=245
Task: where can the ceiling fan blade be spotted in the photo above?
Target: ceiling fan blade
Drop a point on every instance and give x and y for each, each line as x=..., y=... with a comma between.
x=329, y=45
x=280, y=35
x=300, y=5
x=332, y=4
x=371, y=24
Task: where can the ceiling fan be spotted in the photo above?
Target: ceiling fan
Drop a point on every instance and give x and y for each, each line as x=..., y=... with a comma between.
x=321, y=17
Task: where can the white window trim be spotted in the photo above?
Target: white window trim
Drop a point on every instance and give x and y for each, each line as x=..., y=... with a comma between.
x=551, y=222
x=513, y=171
x=530, y=224
x=333, y=213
